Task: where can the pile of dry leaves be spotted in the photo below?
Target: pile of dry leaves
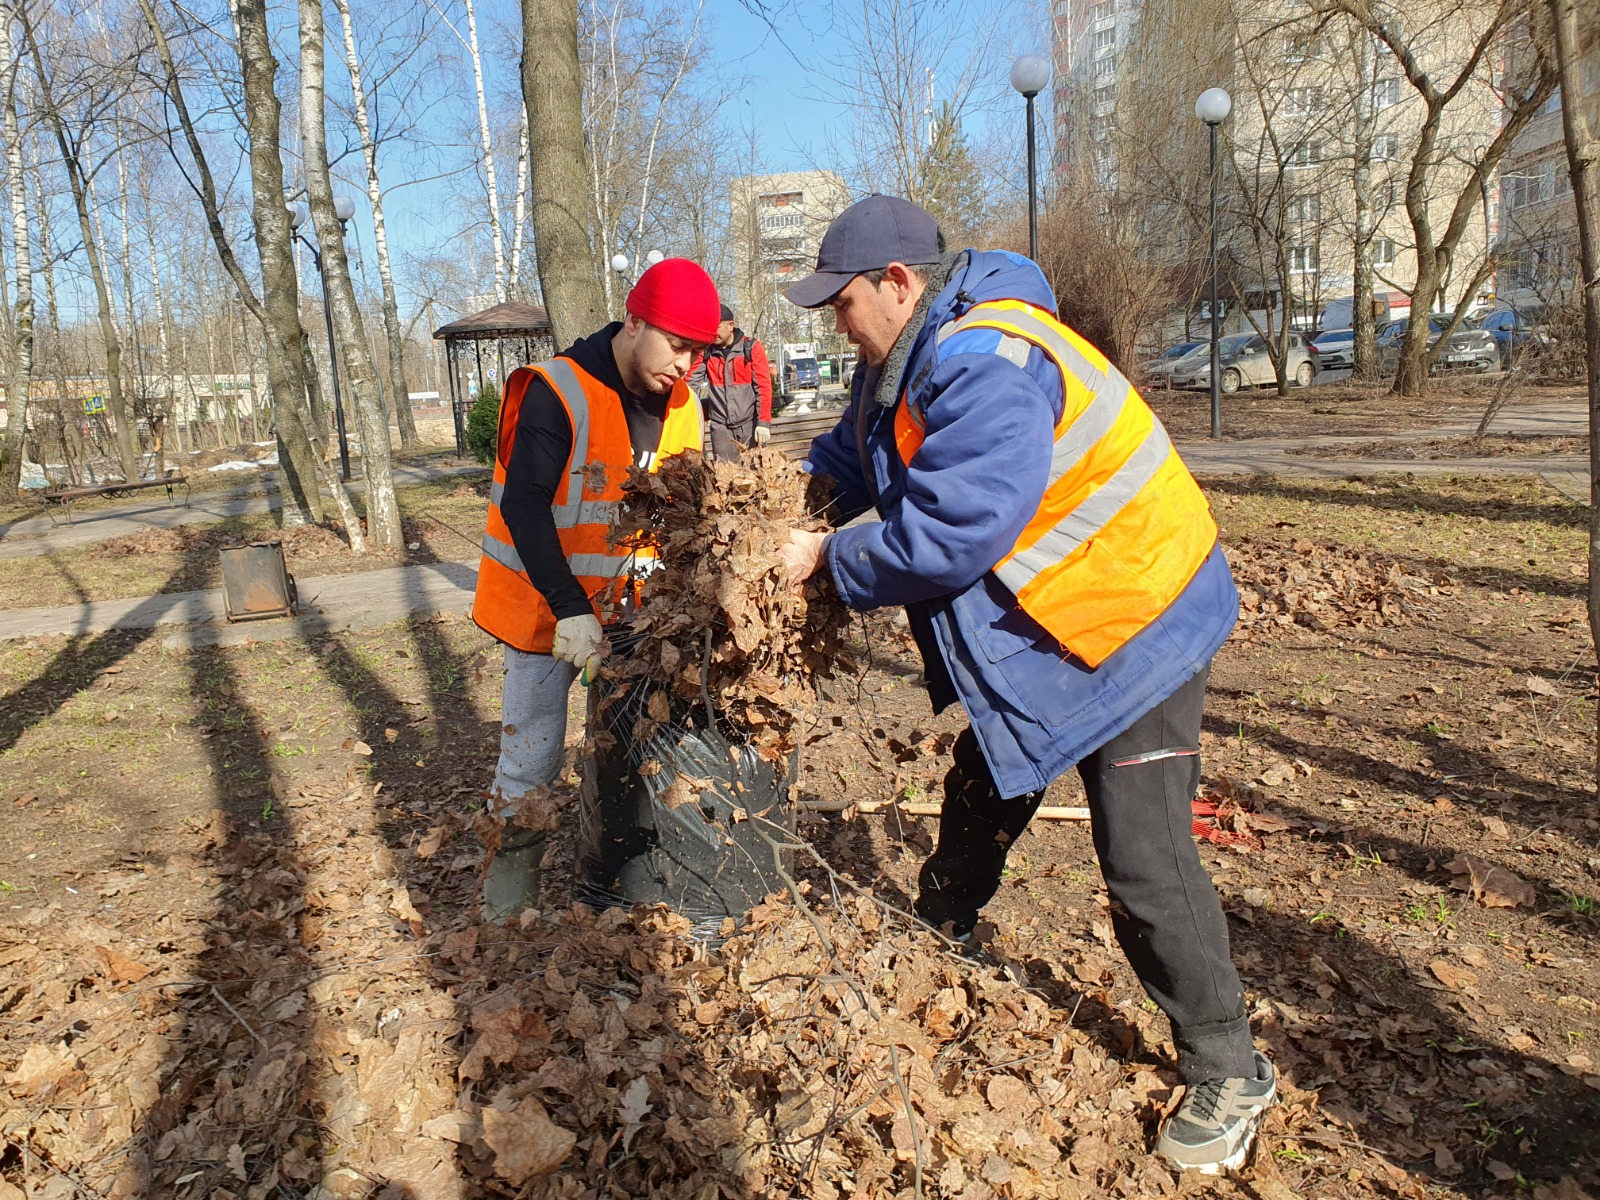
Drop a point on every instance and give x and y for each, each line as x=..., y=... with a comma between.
x=1326, y=587
x=826, y=1051
x=720, y=617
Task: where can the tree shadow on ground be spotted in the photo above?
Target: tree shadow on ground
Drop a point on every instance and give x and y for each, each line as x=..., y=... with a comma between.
x=75, y=666
x=1398, y=1069
x=239, y=1044
x=1469, y=765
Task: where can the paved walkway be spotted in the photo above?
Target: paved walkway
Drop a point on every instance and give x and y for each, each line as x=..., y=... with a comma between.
x=328, y=603
x=37, y=535
x=369, y=599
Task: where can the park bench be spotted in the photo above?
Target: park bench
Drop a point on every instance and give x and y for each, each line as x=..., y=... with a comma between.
x=63, y=497
x=792, y=432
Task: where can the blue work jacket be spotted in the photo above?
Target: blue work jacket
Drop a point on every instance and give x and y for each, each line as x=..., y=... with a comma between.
x=951, y=515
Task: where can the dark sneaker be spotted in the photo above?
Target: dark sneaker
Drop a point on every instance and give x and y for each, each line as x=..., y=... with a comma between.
x=1215, y=1125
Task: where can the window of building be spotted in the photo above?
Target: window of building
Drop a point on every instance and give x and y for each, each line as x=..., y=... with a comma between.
x=1385, y=196
x=1103, y=10
x=1534, y=185
x=1302, y=47
x=1386, y=93
x=1386, y=147
x=1553, y=105
x=1304, y=101
x=1105, y=41
x=1384, y=251
x=1104, y=99
x=1305, y=210
x=1104, y=67
x=1306, y=154
x=1302, y=260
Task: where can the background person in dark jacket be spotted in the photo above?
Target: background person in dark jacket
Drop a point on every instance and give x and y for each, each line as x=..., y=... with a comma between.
x=735, y=388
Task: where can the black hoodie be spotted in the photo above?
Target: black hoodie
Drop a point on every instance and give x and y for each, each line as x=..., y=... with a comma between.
x=539, y=454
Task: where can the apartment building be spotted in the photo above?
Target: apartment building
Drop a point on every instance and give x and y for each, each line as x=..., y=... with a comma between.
x=1538, y=234
x=778, y=223
x=1314, y=156
x=1088, y=38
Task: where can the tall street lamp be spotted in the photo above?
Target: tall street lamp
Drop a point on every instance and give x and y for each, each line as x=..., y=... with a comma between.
x=1030, y=75
x=1213, y=108
x=344, y=208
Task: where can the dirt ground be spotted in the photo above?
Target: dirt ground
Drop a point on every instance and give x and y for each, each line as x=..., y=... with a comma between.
x=241, y=957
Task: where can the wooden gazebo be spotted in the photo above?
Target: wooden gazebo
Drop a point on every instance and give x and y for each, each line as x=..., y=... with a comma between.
x=526, y=327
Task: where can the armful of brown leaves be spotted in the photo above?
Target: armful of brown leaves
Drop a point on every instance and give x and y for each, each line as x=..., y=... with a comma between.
x=719, y=617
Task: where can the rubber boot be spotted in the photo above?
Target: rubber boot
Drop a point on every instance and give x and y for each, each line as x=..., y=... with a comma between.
x=512, y=884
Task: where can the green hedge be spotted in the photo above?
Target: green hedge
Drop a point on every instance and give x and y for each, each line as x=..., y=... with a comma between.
x=483, y=421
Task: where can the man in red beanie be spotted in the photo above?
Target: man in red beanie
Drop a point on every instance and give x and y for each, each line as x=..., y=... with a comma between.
x=548, y=578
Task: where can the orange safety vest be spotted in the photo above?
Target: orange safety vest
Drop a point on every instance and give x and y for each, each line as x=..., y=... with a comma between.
x=506, y=604
x=1122, y=527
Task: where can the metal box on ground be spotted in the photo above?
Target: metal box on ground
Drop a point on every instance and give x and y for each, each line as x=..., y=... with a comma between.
x=256, y=583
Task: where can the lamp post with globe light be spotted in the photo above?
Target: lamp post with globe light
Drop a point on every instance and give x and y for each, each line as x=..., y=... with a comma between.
x=1030, y=75
x=1213, y=108
x=344, y=208
x=620, y=261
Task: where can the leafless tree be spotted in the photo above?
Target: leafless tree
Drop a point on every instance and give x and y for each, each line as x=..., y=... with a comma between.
x=18, y=357
x=92, y=90
x=383, y=511
x=380, y=236
x=552, y=90
x=280, y=306
x=905, y=67
x=1573, y=42
x=1436, y=167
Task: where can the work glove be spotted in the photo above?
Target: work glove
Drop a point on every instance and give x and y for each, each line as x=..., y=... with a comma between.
x=763, y=435
x=580, y=642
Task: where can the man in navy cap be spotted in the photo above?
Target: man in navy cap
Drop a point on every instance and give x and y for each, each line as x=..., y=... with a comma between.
x=1063, y=580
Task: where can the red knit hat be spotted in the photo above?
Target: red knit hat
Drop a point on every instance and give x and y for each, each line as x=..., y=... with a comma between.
x=677, y=295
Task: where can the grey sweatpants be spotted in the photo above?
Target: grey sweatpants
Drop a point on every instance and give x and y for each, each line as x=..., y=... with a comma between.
x=533, y=723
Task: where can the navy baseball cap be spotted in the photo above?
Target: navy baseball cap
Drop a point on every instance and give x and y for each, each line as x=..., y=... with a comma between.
x=867, y=236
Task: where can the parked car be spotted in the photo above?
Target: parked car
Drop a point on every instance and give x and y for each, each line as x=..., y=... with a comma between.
x=1469, y=348
x=1335, y=349
x=1246, y=363
x=1159, y=369
x=1515, y=333
x=802, y=375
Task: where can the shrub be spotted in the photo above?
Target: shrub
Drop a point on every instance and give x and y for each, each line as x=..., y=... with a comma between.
x=483, y=423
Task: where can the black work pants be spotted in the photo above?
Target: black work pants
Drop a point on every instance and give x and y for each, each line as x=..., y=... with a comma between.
x=1164, y=909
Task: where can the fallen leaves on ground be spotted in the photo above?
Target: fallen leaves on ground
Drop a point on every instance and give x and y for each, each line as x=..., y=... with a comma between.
x=1325, y=587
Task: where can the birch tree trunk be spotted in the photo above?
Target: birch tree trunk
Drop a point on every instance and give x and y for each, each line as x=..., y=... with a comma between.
x=73, y=450
x=164, y=339
x=21, y=377
x=127, y=442
x=383, y=512
x=495, y=233
x=391, y=306
x=552, y=91
x=297, y=466
x=519, y=211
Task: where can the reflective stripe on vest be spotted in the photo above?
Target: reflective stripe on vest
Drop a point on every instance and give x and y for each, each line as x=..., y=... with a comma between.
x=1114, y=481
x=585, y=504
